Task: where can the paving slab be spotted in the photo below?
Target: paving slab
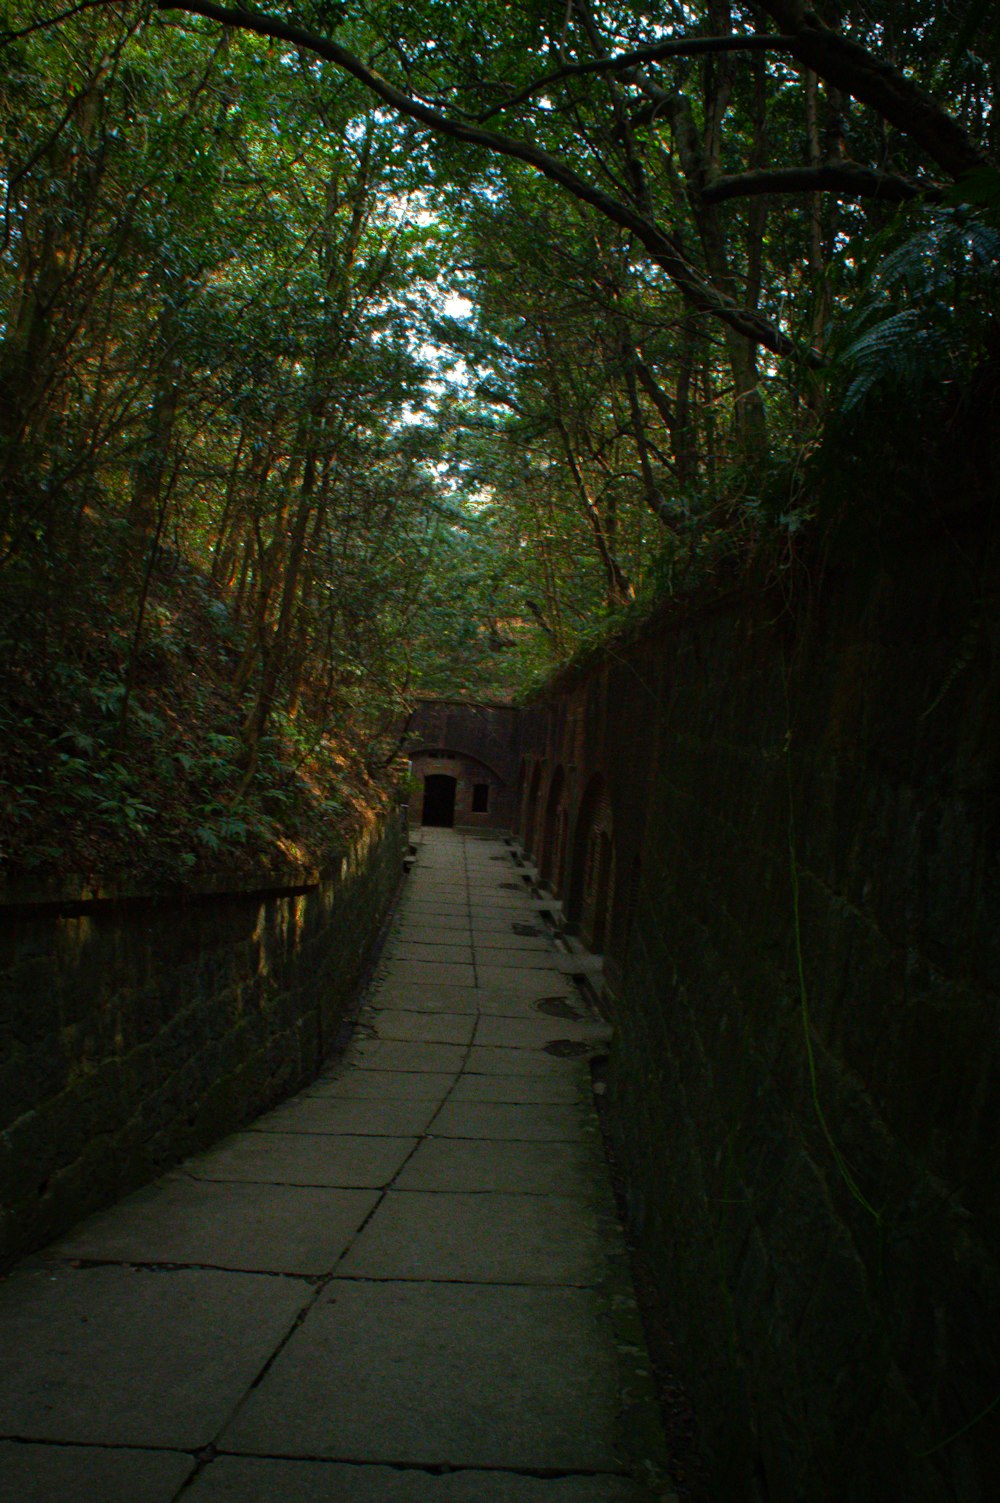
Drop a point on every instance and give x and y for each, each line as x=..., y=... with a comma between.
x=590, y=967
x=256, y=1228
x=232, y=1479
x=513, y=957
x=500, y=905
x=536, y=1032
x=495, y=941
x=488, y=933
x=384, y=1085
x=134, y=1357
x=527, y=986
x=497, y=1000
x=446, y=922
x=411, y=922
x=518, y=1168
x=335, y=1114
x=401, y=1054
x=421, y=1028
x=486, y=1060
x=484, y=890
x=482, y=1238
x=466, y=1374
x=424, y=951
x=433, y=998
x=32, y=1473
x=501, y=902
x=524, y=1123
x=350, y=1162
x=500, y=1003
x=455, y=931
x=437, y=896
x=542, y=1089
x=504, y=923
x=427, y=973
x=536, y=979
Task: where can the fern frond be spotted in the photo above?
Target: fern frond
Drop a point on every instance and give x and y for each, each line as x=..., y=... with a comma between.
x=880, y=339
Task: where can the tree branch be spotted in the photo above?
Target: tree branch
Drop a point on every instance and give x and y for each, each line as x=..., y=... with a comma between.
x=619, y=62
x=845, y=178
x=656, y=394
x=876, y=83
x=6, y=37
x=661, y=246
x=654, y=497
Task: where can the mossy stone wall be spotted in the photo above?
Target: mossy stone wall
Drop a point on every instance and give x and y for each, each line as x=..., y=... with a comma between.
x=812, y=1159
x=136, y=1030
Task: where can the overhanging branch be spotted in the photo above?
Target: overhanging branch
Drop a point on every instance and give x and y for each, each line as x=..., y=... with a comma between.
x=877, y=83
x=845, y=178
x=623, y=62
x=659, y=244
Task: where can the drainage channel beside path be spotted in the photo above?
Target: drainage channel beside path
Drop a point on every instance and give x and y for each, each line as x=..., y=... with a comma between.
x=406, y=1285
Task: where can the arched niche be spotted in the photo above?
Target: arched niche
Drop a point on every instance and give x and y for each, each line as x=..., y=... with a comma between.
x=553, y=832
x=529, y=809
x=591, y=881
x=453, y=787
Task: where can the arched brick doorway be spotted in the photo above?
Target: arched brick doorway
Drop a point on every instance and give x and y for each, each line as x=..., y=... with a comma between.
x=472, y=795
x=553, y=832
x=439, y=800
x=592, y=869
x=598, y=888
x=529, y=813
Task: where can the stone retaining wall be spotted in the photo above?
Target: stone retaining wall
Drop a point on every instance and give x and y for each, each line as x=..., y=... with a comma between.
x=136, y=1030
x=811, y=1158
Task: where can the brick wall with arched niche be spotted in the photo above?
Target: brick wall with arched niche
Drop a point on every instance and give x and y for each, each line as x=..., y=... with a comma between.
x=554, y=832
x=449, y=788
x=464, y=759
x=590, y=879
x=589, y=758
x=530, y=804
x=802, y=971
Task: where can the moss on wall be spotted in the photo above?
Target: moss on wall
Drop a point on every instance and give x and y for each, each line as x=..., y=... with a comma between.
x=137, y=1031
x=811, y=1156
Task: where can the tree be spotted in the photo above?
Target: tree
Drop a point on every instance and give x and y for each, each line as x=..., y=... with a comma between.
x=597, y=111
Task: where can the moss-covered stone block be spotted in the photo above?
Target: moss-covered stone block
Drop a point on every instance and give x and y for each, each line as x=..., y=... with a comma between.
x=144, y=1030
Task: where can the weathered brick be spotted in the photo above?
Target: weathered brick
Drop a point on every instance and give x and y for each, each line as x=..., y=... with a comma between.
x=844, y=1207
x=145, y=1031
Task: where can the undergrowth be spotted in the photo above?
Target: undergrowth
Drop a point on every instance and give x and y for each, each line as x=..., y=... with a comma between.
x=156, y=796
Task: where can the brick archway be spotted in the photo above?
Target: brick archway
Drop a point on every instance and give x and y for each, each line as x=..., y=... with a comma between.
x=591, y=881
x=451, y=787
x=529, y=810
x=553, y=832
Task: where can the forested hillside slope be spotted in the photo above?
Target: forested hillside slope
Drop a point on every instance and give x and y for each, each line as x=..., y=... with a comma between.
x=351, y=355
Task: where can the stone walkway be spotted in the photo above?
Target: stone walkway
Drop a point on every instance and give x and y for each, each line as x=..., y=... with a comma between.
x=406, y=1285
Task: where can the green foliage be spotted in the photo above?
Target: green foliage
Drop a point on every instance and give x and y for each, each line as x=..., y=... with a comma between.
x=927, y=300
x=307, y=410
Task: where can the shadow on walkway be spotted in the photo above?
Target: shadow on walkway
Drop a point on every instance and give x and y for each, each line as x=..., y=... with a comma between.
x=405, y=1285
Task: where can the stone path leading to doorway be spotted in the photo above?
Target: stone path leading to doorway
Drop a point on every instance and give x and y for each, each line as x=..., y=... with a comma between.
x=405, y=1285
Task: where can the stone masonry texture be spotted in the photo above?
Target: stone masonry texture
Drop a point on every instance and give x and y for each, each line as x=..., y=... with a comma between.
x=135, y=1032
x=406, y=1284
x=811, y=1155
